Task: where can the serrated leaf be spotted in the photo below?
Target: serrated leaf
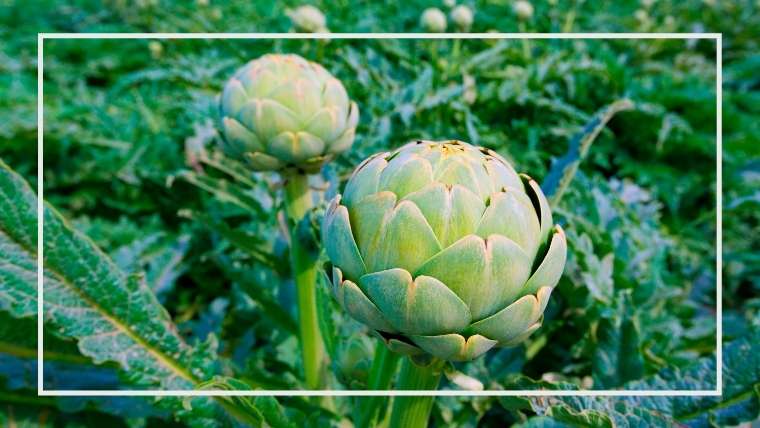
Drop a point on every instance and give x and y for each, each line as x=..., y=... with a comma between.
x=521, y=382
x=563, y=169
x=617, y=358
x=583, y=418
x=64, y=366
x=739, y=403
x=247, y=242
x=113, y=316
x=261, y=409
x=18, y=246
x=543, y=422
x=225, y=191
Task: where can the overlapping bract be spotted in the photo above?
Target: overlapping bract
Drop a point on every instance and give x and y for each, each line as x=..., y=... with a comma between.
x=443, y=249
x=282, y=112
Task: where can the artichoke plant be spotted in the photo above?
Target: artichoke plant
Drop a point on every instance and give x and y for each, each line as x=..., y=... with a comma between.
x=443, y=250
x=284, y=113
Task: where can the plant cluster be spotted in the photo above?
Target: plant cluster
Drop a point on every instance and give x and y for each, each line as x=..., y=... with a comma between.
x=170, y=264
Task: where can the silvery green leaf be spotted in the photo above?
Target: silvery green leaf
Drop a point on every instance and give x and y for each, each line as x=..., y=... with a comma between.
x=114, y=317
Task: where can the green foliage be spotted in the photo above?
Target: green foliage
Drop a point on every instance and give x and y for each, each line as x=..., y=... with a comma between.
x=113, y=317
x=738, y=403
x=18, y=240
x=158, y=219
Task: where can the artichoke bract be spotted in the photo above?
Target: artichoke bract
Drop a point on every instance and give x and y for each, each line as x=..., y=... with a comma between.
x=443, y=249
x=284, y=113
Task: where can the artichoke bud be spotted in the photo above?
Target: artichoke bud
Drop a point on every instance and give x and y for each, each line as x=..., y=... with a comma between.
x=443, y=250
x=284, y=113
x=469, y=89
x=307, y=18
x=462, y=17
x=354, y=361
x=433, y=20
x=523, y=9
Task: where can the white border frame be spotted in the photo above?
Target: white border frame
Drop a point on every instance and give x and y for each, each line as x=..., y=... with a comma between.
x=717, y=37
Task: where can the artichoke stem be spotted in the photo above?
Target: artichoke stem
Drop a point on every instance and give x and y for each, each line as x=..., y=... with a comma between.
x=525, y=43
x=380, y=376
x=298, y=201
x=413, y=412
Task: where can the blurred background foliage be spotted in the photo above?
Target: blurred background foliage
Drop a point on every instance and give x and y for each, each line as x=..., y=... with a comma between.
x=129, y=158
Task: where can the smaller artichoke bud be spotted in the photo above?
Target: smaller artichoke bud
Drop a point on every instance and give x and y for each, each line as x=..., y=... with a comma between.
x=462, y=17
x=284, y=113
x=523, y=9
x=156, y=49
x=470, y=91
x=354, y=361
x=641, y=15
x=433, y=20
x=308, y=18
x=449, y=3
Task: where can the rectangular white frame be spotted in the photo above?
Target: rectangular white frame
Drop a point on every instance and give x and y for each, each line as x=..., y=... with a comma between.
x=717, y=37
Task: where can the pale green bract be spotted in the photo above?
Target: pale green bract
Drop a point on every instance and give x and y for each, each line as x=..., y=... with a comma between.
x=284, y=113
x=443, y=249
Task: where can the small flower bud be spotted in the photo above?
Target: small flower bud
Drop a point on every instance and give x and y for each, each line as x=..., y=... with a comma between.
x=433, y=20
x=307, y=18
x=523, y=9
x=470, y=91
x=156, y=49
x=641, y=15
x=462, y=17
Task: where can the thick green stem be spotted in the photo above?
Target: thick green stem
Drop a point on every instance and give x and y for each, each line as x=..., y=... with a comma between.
x=298, y=201
x=413, y=412
x=380, y=376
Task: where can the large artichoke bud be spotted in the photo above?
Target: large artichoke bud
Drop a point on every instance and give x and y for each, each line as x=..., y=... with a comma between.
x=282, y=112
x=443, y=249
